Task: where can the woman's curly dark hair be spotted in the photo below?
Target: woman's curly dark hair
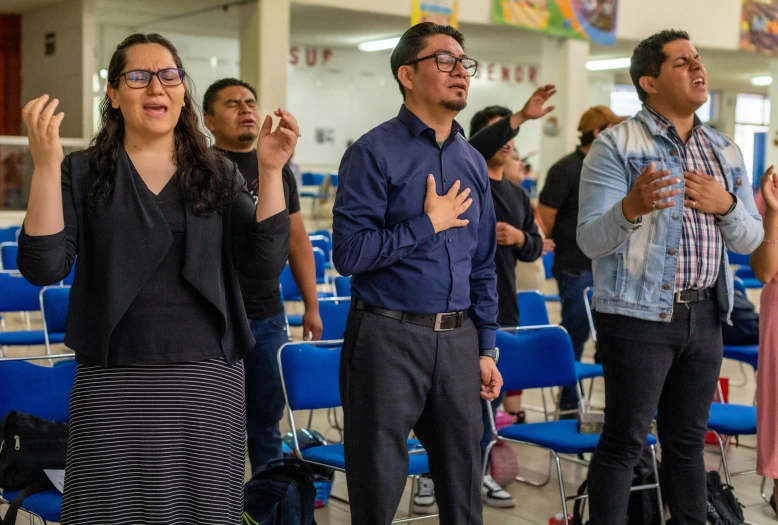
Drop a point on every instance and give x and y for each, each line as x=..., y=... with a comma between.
x=203, y=178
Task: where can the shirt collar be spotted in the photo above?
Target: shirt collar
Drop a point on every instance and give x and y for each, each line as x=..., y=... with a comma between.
x=417, y=127
x=667, y=126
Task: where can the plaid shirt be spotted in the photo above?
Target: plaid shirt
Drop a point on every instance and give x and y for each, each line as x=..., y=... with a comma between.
x=701, y=247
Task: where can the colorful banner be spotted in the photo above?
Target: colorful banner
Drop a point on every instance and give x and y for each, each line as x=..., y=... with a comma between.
x=443, y=12
x=759, y=26
x=593, y=20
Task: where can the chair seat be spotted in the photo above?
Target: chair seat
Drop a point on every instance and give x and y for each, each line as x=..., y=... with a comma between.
x=559, y=436
x=295, y=319
x=22, y=338
x=321, y=295
x=552, y=298
x=748, y=354
x=732, y=420
x=587, y=370
x=47, y=505
x=332, y=455
x=56, y=338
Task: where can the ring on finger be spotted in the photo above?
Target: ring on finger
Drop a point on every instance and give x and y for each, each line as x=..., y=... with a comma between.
x=653, y=205
x=694, y=204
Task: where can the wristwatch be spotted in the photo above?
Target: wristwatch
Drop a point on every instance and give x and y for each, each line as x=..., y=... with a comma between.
x=494, y=353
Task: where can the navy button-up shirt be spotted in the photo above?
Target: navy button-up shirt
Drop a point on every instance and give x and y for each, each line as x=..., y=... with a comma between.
x=383, y=238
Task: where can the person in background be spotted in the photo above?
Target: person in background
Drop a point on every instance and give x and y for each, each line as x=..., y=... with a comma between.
x=558, y=209
x=414, y=224
x=764, y=262
x=161, y=225
x=661, y=195
x=232, y=116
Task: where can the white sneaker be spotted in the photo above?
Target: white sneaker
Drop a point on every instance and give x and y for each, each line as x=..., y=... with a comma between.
x=494, y=495
x=424, y=499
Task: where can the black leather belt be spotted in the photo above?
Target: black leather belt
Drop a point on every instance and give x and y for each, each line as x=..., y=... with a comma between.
x=693, y=296
x=443, y=322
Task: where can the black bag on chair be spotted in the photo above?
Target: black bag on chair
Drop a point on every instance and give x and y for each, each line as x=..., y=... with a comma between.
x=280, y=493
x=30, y=445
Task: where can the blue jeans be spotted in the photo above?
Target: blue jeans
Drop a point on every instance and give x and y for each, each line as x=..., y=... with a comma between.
x=574, y=320
x=264, y=394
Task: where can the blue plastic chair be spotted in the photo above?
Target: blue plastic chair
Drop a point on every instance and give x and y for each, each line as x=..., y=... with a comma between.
x=310, y=378
x=323, y=233
x=312, y=179
x=320, y=260
x=325, y=245
x=343, y=286
x=731, y=420
x=334, y=313
x=739, y=285
x=542, y=357
x=43, y=392
x=18, y=295
x=8, y=254
x=532, y=308
x=10, y=234
x=289, y=289
x=54, y=307
x=739, y=259
x=747, y=275
x=548, y=263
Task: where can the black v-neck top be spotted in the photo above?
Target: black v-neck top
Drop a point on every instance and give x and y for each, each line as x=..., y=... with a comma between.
x=169, y=320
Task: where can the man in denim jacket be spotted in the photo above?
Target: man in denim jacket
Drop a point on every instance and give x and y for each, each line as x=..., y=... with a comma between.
x=662, y=199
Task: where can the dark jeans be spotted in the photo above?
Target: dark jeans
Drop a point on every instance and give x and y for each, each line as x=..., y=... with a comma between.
x=396, y=377
x=574, y=320
x=264, y=395
x=675, y=367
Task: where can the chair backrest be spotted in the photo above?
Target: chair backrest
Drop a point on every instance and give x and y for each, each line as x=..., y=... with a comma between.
x=312, y=179
x=8, y=253
x=289, y=290
x=536, y=357
x=334, y=313
x=17, y=294
x=320, y=261
x=334, y=179
x=10, y=234
x=54, y=306
x=745, y=272
x=323, y=233
x=738, y=258
x=548, y=263
x=343, y=286
x=532, y=308
x=42, y=391
x=310, y=375
x=323, y=243
x=68, y=281
x=739, y=285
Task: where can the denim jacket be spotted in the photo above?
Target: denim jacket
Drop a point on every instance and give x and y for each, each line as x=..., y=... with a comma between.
x=635, y=264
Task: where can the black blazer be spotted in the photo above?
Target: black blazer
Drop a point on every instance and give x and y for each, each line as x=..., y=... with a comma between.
x=120, y=244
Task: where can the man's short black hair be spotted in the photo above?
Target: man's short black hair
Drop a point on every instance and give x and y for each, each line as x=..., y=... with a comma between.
x=414, y=40
x=648, y=57
x=482, y=118
x=214, y=89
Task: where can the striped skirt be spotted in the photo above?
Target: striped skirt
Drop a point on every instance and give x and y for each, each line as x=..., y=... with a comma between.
x=156, y=444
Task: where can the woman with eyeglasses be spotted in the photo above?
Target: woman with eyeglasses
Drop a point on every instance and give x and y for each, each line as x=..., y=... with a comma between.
x=160, y=225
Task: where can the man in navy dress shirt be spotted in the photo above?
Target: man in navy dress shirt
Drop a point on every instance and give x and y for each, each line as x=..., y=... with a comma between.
x=414, y=224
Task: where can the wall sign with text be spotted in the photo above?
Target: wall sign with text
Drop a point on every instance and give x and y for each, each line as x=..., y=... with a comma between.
x=309, y=56
x=442, y=12
x=506, y=73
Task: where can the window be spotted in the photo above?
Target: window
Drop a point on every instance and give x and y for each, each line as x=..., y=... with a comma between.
x=752, y=109
x=625, y=101
x=752, y=117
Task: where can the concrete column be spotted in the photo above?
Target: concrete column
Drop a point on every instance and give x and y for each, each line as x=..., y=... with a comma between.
x=264, y=50
x=564, y=64
x=66, y=71
x=725, y=122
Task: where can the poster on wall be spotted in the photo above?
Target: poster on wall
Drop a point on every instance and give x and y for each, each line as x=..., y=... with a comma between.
x=443, y=12
x=759, y=26
x=593, y=20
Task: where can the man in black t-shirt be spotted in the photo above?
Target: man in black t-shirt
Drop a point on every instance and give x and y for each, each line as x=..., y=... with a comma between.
x=558, y=208
x=231, y=114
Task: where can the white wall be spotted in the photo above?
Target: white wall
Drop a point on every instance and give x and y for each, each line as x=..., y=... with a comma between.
x=67, y=74
x=351, y=92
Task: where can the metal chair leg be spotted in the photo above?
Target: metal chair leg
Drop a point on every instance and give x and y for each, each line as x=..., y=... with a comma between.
x=562, y=494
x=723, y=457
x=413, y=492
x=660, y=502
x=742, y=382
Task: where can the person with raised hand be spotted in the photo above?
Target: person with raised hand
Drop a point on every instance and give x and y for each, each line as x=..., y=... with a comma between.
x=158, y=226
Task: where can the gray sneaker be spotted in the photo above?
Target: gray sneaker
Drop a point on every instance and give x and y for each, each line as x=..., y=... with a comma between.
x=424, y=499
x=495, y=496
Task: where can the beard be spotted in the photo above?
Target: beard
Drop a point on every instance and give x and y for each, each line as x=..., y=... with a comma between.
x=454, y=105
x=247, y=137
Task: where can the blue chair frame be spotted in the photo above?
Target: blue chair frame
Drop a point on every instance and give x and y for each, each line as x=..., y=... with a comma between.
x=343, y=286
x=542, y=357
x=17, y=294
x=10, y=234
x=334, y=314
x=310, y=374
x=325, y=245
x=8, y=253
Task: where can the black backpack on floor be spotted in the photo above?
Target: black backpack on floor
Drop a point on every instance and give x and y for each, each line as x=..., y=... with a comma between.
x=643, y=506
x=280, y=493
x=723, y=506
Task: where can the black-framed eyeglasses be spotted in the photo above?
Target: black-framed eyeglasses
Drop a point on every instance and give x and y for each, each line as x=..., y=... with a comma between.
x=447, y=63
x=141, y=78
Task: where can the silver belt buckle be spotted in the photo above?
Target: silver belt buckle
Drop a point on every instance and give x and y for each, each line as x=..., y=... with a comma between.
x=679, y=300
x=439, y=319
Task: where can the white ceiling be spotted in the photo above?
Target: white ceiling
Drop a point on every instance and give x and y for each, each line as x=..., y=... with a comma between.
x=322, y=26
